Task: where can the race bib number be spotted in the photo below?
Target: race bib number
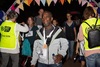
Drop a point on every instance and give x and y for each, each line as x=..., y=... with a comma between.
x=29, y=34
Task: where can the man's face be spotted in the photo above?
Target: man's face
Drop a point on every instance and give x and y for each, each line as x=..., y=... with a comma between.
x=46, y=19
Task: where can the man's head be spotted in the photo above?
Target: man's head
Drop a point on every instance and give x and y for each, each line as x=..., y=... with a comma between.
x=47, y=18
x=12, y=15
x=88, y=12
x=41, y=11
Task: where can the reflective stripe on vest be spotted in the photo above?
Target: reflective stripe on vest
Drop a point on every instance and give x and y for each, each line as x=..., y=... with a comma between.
x=85, y=29
x=8, y=35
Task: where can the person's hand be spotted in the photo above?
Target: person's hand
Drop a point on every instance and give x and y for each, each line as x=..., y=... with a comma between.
x=22, y=23
x=75, y=40
x=32, y=65
x=58, y=58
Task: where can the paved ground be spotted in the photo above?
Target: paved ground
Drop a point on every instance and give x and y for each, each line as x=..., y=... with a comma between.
x=70, y=63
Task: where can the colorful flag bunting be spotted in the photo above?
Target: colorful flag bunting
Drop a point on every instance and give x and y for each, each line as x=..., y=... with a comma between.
x=79, y=1
x=55, y=1
x=49, y=2
x=17, y=10
x=88, y=4
x=13, y=7
x=62, y=1
x=18, y=1
x=29, y=2
x=69, y=1
x=43, y=2
x=95, y=10
x=92, y=3
x=21, y=6
x=84, y=2
x=26, y=2
x=38, y=2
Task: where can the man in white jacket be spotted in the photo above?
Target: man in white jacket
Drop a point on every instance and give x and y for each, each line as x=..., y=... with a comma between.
x=50, y=45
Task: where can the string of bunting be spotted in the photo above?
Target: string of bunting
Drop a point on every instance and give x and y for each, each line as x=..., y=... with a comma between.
x=28, y=3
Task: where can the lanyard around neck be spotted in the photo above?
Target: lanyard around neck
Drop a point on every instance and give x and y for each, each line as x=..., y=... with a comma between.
x=45, y=38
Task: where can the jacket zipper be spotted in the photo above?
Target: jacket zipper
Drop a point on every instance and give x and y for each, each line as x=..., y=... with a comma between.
x=48, y=54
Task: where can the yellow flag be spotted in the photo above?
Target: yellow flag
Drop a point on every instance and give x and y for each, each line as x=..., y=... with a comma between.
x=49, y=2
x=21, y=6
x=18, y=1
x=69, y=1
x=26, y=2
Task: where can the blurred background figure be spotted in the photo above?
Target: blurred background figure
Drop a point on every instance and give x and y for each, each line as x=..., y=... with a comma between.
x=70, y=32
x=29, y=38
x=77, y=22
x=38, y=19
x=55, y=22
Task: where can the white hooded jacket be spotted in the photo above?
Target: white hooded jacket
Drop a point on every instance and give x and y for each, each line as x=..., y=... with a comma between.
x=58, y=45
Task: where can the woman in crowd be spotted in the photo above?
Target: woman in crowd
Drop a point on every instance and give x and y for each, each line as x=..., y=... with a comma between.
x=29, y=37
x=70, y=32
x=92, y=55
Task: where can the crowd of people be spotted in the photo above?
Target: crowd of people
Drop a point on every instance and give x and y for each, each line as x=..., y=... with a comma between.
x=42, y=42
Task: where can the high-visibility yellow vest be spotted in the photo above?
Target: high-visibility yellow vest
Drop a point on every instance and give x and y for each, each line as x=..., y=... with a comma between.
x=8, y=35
x=85, y=29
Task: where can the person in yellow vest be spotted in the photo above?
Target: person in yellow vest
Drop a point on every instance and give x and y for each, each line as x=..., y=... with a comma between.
x=92, y=55
x=9, y=44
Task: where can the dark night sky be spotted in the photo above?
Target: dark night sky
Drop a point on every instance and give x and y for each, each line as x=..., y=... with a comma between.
x=57, y=10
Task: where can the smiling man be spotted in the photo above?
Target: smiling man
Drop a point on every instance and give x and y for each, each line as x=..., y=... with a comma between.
x=50, y=46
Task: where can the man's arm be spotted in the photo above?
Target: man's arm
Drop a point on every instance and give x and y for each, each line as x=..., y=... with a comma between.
x=63, y=48
x=35, y=54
